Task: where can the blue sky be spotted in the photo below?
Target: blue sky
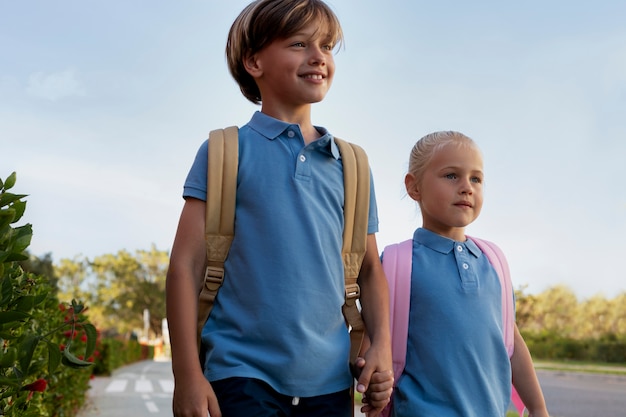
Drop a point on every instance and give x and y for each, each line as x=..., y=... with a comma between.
x=104, y=104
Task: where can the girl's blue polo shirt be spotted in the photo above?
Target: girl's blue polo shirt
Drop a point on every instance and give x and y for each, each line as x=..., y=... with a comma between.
x=278, y=315
x=456, y=364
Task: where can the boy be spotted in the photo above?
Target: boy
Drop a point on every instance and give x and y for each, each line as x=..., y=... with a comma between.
x=276, y=341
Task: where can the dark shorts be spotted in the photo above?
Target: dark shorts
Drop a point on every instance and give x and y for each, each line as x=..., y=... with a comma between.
x=248, y=397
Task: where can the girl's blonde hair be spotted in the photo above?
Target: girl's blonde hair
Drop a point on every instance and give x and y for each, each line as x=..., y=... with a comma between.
x=264, y=21
x=426, y=147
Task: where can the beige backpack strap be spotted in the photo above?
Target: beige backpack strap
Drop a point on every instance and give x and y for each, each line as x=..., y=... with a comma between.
x=220, y=214
x=356, y=177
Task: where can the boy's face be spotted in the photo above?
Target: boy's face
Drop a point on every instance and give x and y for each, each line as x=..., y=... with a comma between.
x=294, y=71
x=450, y=194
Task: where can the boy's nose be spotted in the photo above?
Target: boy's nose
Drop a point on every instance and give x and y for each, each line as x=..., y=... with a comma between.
x=317, y=56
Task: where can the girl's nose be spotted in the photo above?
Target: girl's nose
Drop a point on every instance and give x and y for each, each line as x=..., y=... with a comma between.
x=466, y=186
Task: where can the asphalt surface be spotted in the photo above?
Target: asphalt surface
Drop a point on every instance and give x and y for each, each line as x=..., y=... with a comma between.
x=144, y=389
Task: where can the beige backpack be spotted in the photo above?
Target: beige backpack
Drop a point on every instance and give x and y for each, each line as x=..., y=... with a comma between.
x=220, y=223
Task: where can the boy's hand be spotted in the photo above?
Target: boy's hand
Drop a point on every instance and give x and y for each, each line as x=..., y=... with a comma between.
x=195, y=399
x=376, y=387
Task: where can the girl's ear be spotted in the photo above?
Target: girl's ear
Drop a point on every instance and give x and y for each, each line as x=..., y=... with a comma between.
x=252, y=65
x=410, y=182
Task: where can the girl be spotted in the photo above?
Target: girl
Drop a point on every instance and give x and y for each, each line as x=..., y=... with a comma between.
x=456, y=362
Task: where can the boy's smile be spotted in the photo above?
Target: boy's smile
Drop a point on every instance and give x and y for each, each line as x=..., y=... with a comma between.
x=295, y=71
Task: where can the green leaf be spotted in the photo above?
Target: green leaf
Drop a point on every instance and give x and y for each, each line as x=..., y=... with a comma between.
x=8, y=198
x=10, y=181
x=13, y=257
x=11, y=382
x=72, y=361
x=8, y=358
x=27, y=349
x=11, y=316
x=6, y=291
x=20, y=208
x=23, y=236
x=25, y=303
x=77, y=307
x=41, y=298
x=7, y=216
x=92, y=337
x=54, y=357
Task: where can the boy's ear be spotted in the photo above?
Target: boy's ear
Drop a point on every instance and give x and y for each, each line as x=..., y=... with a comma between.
x=252, y=65
x=410, y=182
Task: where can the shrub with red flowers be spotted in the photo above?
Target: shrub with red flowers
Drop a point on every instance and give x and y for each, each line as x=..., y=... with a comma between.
x=36, y=336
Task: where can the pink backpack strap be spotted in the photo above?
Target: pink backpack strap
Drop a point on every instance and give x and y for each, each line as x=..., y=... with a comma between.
x=498, y=261
x=397, y=261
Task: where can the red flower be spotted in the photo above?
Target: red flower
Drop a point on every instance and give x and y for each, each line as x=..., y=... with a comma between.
x=39, y=386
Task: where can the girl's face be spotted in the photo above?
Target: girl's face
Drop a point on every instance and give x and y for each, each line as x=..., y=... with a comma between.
x=450, y=193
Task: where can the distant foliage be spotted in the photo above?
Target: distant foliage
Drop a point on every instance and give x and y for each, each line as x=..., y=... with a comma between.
x=556, y=325
x=119, y=288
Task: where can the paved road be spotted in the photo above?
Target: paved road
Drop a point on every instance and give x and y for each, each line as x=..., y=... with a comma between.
x=584, y=395
x=144, y=389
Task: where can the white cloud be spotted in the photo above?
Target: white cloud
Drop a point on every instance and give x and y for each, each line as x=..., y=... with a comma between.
x=55, y=86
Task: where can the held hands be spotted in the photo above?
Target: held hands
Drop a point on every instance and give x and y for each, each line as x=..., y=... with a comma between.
x=375, y=385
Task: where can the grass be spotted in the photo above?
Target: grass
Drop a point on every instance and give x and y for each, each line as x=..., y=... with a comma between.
x=579, y=366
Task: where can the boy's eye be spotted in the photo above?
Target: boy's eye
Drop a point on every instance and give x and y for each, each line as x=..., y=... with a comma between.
x=477, y=180
x=450, y=176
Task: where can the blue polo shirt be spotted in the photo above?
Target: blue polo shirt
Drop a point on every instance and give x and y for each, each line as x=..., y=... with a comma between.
x=456, y=364
x=278, y=314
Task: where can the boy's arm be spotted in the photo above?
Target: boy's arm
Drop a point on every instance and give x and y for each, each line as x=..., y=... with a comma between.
x=525, y=378
x=193, y=394
x=376, y=378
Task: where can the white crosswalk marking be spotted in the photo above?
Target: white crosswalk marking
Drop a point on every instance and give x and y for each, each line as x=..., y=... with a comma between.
x=117, y=385
x=167, y=385
x=152, y=407
x=148, y=388
x=143, y=385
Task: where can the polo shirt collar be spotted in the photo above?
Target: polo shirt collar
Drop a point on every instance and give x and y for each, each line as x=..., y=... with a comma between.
x=442, y=244
x=272, y=128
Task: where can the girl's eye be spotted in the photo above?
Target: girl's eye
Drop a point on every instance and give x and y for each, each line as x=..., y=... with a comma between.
x=477, y=180
x=300, y=44
x=451, y=176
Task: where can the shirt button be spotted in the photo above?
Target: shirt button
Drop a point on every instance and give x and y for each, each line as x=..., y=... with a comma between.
x=302, y=158
x=291, y=134
x=459, y=248
x=465, y=266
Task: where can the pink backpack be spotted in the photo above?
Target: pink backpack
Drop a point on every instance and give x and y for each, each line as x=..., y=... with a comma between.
x=397, y=263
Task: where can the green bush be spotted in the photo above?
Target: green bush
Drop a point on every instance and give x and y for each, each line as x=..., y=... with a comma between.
x=37, y=334
x=116, y=352
x=548, y=346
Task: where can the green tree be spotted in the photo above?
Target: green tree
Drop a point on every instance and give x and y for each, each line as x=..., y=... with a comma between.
x=555, y=310
x=119, y=288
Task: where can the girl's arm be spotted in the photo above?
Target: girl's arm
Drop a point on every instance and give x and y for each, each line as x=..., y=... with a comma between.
x=376, y=378
x=525, y=378
x=193, y=394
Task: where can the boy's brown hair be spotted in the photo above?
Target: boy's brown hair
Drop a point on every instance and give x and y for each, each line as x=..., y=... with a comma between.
x=264, y=21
